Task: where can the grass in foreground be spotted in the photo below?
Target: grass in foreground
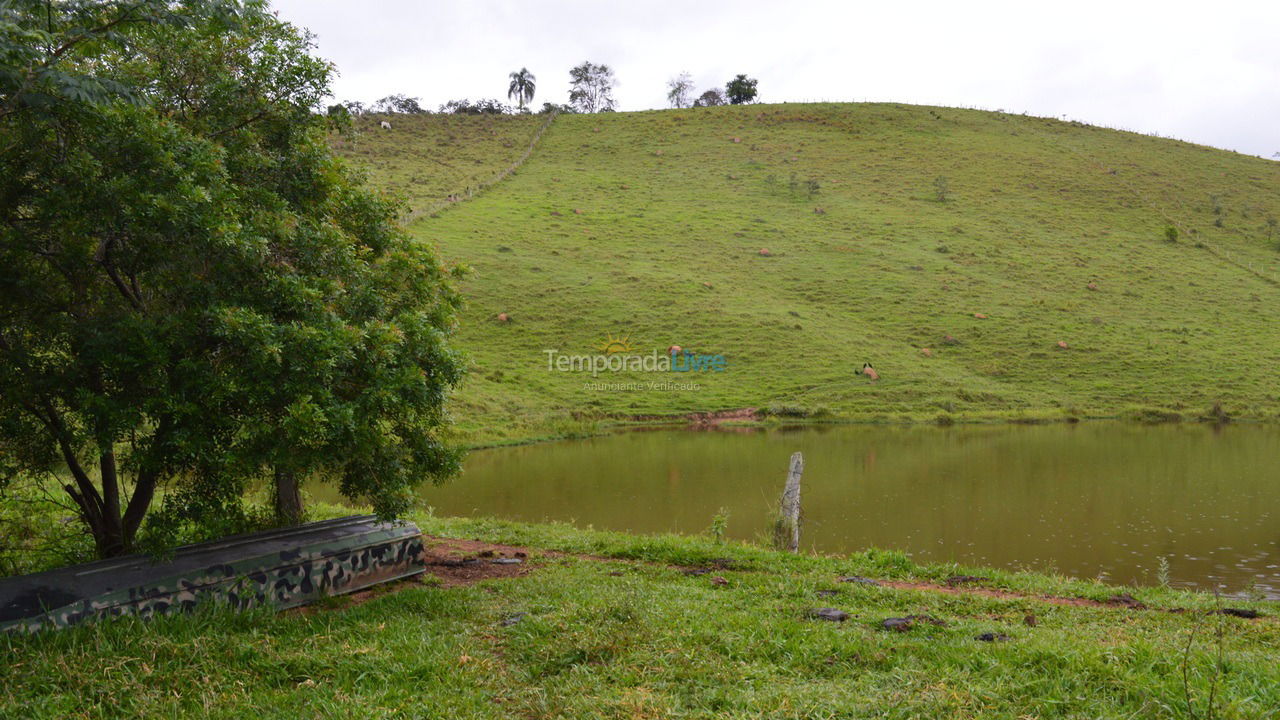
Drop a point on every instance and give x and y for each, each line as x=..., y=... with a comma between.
x=627, y=633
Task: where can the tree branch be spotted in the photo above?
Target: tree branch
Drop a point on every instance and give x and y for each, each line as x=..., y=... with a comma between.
x=145, y=488
x=254, y=118
x=110, y=483
x=88, y=499
x=103, y=256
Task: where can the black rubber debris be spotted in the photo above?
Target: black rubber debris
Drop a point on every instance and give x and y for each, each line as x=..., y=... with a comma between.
x=1240, y=613
x=858, y=579
x=904, y=624
x=831, y=614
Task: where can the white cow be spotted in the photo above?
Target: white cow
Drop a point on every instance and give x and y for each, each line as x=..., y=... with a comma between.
x=385, y=125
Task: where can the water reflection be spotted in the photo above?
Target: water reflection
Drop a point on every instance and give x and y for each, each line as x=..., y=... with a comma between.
x=1096, y=499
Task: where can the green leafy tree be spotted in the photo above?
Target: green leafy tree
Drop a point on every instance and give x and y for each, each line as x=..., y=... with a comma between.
x=710, y=98
x=740, y=90
x=479, y=107
x=399, y=103
x=194, y=293
x=522, y=87
x=591, y=88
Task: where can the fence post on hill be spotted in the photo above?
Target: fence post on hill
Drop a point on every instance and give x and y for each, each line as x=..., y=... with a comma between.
x=786, y=529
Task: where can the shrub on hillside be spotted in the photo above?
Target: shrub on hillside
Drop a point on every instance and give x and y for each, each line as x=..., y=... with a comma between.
x=941, y=188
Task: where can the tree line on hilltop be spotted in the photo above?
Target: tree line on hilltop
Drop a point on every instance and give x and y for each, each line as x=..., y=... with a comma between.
x=591, y=88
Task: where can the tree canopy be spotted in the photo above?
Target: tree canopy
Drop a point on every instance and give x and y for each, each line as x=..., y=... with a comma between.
x=591, y=87
x=710, y=98
x=740, y=90
x=479, y=107
x=399, y=103
x=679, y=89
x=522, y=87
x=194, y=293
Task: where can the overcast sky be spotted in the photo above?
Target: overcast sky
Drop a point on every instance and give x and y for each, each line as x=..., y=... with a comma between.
x=1208, y=72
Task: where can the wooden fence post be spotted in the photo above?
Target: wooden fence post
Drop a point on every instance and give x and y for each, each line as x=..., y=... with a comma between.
x=786, y=531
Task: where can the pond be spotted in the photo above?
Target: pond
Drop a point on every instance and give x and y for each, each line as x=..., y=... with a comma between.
x=1090, y=500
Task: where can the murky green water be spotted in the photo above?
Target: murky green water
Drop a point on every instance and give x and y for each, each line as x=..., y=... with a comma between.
x=1096, y=499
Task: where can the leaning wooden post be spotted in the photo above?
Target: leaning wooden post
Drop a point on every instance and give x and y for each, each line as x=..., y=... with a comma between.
x=787, y=530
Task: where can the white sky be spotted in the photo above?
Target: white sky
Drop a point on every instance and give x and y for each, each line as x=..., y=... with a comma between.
x=1207, y=72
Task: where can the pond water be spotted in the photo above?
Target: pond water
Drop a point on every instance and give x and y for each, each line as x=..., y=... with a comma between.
x=1090, y=500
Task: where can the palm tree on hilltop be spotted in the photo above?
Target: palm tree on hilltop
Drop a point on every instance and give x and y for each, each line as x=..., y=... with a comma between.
x=522, y=86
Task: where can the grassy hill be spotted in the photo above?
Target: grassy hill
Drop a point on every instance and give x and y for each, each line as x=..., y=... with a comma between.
x=953, y=249
x=425, y=159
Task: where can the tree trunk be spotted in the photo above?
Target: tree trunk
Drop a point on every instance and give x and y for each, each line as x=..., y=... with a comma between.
x=111, y=541
x=288, y=501
x=113, y=531
x=107, y=530
x=114, y=528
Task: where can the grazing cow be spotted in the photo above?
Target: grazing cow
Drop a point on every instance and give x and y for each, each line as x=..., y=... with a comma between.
x=869, y=371
x=384, y=125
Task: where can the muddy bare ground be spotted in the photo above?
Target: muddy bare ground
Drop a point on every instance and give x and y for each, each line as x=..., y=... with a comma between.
x=999, y=594
x=711, y=418
x=450, y=563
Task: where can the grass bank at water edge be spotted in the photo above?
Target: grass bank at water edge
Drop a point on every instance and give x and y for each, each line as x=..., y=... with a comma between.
x=608, y=625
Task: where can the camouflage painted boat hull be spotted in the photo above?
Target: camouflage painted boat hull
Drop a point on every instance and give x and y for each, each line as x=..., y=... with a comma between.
x=282, y=568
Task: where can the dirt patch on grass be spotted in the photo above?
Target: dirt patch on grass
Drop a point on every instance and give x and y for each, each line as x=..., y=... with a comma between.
x=994, y=593
x=1125, y=601
x=454, y=562
x=449, y=563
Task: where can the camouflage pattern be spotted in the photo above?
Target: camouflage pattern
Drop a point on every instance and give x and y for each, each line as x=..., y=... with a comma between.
x=341, y=557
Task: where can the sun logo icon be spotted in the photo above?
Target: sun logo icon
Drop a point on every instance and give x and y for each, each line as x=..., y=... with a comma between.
x=613, y=345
